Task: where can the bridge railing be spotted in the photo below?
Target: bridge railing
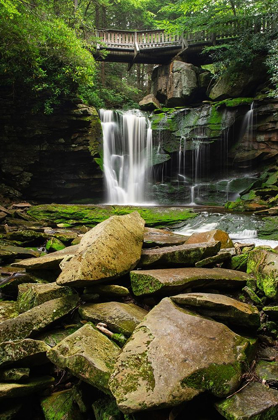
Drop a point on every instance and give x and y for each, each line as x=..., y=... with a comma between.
x=126, y=40
x=144, y=39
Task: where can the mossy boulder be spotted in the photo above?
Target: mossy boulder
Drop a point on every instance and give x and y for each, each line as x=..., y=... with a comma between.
x=263, y=264
x=172, y=356
x=25, y=352
x=174, y=280
x=178, y=256
x=119, y=317
x=255, y=401
x=37, y=318
x=54, y=244
x=220, y=307
x=79, y=215
x=31, y=295
x=88, y=354
x=108, y=251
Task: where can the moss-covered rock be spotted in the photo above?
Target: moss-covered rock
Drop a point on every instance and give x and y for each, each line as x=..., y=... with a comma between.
x=54, y=244
x=25, y=352
x=255, y=401
x=106, y=409
x=31, y=295
x=92, y=215
x=60, y=406
x=263, y=264
x=88, y=354
x=8, y=309
x=37, y=318
x=172, y=356
x=108, y=290
x=119, y=317
x=174, y=280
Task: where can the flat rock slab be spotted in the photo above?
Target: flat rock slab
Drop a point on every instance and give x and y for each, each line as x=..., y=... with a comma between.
x=25, y=352
x=211, y=236
x=32, y=294
x=36, y=318
x=256, y=401
x=161, y=237
x=10, y=252
x=111, y=290
x=172, y=356
x=109, y=250
x=88, y=354
x=178, y=256
x=21, y=390
x=119, y=317
x=221, y=307
x=174, y=280
x=49, y=261
x=215, y=259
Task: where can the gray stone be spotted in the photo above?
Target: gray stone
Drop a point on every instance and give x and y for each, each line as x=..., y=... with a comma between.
x=88, y=354
x=255, y=401
x=119, y=317
x=174, y=280
x=109, y=250
x=172, y=356
x=37, y=318
x=178, y=256
x=221, y=307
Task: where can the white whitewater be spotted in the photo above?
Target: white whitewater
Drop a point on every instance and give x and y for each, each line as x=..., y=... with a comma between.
x=127, y=155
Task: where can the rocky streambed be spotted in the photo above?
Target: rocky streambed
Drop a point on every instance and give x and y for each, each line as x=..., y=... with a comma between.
x=123, y=321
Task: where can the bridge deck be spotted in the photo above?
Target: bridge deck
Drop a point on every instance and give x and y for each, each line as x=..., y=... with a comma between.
x=158, y=47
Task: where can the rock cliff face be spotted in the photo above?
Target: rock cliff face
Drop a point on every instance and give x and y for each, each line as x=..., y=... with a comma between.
x=49, y=158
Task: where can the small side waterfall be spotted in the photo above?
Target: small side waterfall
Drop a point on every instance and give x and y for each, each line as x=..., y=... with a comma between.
x=127, y=155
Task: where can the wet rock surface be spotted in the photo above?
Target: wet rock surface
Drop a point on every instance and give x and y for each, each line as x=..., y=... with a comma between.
x=130, y=347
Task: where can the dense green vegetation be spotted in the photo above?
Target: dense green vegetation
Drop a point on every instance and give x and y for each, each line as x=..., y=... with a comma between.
x=46, y=46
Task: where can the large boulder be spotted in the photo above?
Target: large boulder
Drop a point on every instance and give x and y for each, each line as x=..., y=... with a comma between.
x=149, y=103
x=109, y=250
x=172, y=356
x=88, y=354
x=177, y=83
x=174, y=280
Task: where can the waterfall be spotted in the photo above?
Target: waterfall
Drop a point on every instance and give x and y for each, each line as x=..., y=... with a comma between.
x=248, y=124
x=127, y=155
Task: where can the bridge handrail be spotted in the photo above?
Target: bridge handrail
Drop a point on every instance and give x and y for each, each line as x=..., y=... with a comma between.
x=158, y=38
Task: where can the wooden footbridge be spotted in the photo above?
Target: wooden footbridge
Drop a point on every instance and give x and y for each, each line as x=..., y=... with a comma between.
x=159, y=47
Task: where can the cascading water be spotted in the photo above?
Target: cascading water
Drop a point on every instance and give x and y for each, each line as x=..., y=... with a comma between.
x=127, y=156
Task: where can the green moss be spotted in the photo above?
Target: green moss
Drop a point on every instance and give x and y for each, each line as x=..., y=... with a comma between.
x=144, y=284
x=106, y=409
x=215, y=122
x=92, y=215
x=54, y=244
x=231, y=103
x=218, y=379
